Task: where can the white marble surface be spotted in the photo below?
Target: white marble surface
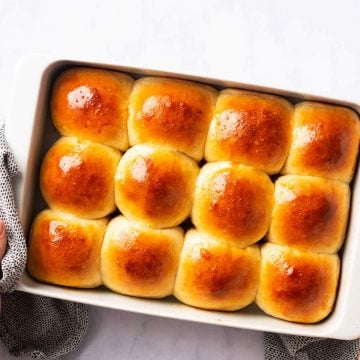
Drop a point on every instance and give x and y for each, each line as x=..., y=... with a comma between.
x=311, y=46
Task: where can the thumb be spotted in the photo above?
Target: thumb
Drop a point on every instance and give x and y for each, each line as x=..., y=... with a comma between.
x=3, y=240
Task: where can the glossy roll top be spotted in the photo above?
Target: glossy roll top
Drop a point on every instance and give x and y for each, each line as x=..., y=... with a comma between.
x=172, y=113
x=140, y=261
x=92, y=104
x=233, y=203
x=310, y=213
x=297, y=285
x=154, y=186
x=213, y=275
x=77, y=177
x=325, y=141
x=65, y=250
x=250, y=128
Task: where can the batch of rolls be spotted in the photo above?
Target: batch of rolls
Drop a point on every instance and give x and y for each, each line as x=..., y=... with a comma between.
x=138, y=159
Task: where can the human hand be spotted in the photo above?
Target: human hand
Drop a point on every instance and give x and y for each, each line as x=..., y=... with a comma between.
x=3, y=244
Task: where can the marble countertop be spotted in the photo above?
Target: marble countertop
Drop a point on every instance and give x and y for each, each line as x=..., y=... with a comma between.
x=312, y=47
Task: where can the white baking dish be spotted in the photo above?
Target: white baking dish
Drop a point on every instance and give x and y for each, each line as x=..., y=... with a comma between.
x=29, y=132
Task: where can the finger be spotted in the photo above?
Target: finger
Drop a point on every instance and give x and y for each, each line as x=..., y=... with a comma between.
x=3, y=240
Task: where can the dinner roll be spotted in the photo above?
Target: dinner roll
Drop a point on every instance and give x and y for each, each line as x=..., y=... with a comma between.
x=92, y=104
x=297, y=285
x=77, y=176
x=325, y=141
x=310, y=213
x=65, y=250
x=216, y=276
x=169, y=112
x=155, y=186
x=233, y=203
x=250, y=128
x=140, y=261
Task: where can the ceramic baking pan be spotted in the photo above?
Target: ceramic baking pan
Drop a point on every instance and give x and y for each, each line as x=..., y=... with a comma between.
x=30, y=133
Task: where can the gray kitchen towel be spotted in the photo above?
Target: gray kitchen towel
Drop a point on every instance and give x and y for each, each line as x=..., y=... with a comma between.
x=289, y=347
x=32, y=326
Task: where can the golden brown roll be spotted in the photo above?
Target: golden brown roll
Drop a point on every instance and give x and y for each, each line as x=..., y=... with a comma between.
x=92, y=104
x=155, y=186
x=213, y=275
x=310, y=213
x=77, y=176
x=233, y=203
x=297, y=285
x=325, y=141
x=170, y=112
x=65, y=250
x=140, y=261
x=250, y=128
